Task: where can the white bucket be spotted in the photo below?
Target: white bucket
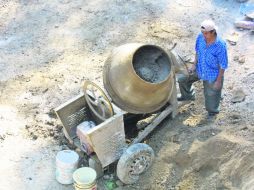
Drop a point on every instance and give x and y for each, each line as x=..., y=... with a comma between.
x=85, y=179
x=66, y=164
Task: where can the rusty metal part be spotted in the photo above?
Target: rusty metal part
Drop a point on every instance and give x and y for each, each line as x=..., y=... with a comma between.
x=134, y=92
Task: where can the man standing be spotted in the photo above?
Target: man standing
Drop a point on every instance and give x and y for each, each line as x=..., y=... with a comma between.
x=211, y=60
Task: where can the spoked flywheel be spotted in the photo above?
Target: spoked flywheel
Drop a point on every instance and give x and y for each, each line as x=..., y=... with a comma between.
x=97, y=101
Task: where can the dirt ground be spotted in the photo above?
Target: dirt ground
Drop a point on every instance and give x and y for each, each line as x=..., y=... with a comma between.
x=48, y=48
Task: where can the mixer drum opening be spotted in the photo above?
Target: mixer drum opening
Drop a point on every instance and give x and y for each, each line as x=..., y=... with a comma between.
x=151, y=64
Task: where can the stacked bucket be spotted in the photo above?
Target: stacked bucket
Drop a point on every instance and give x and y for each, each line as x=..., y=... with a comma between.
x=66, y=164
x=85, y=179
x=67, y=173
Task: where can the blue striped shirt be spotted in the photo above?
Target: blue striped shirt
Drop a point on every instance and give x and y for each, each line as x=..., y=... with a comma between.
x=210, y=58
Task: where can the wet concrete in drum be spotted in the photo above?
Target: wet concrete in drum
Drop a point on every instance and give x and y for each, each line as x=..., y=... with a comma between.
x=151, y=64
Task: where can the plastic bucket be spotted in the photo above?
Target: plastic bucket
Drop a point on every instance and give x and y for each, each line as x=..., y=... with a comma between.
x=66, y=164
x=85, y=179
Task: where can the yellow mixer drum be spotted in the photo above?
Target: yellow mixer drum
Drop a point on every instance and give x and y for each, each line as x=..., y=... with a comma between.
x=139, y=78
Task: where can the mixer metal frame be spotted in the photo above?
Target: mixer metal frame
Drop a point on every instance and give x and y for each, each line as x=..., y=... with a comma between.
x=108, y=138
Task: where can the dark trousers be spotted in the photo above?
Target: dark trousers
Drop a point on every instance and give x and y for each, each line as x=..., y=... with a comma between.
x=212, y=96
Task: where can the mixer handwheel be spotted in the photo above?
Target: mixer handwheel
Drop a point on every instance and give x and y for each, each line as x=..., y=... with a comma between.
x=97, y=101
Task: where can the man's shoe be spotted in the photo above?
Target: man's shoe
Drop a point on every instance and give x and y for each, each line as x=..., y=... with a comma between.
x=212, y=113
x=211, y=116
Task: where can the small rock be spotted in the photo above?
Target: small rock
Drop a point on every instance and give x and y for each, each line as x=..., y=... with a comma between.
x=230, y=87
x=52, y=114
x=34, y=137
x=236, y=58
x=2, y=136
x=9, y=133
x=245, y=128
x=51, y=123
x=45, y=90
x=238, y=96
x=235, y=118
x=55, y=136
x=241, y=60
x=59, y=128
x=51, y=133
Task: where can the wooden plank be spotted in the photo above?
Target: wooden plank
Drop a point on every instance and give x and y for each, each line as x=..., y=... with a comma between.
x=153, y=125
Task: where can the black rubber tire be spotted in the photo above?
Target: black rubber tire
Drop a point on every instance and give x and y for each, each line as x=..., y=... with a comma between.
x=135, y=152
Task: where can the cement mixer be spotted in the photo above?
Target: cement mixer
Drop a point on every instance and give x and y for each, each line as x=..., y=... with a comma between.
x=140, y=82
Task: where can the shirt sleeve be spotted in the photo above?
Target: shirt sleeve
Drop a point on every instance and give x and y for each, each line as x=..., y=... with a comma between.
x=197, y=42
x=223, y=56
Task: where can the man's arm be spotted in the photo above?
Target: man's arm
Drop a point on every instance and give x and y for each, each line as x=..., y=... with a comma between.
x=218, y=82
x=223, y=60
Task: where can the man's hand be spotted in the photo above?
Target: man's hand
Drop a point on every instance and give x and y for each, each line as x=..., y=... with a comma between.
x=192, y=69
x=217, y=85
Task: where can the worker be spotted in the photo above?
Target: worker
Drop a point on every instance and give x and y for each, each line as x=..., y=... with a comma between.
x=211, y=60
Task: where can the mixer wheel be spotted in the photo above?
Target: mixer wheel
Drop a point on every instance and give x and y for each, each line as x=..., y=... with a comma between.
x=135, y=161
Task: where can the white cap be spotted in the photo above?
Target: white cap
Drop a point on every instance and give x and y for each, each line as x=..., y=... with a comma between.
x=208, y=25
